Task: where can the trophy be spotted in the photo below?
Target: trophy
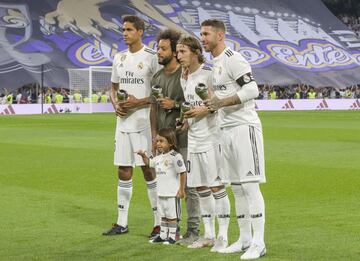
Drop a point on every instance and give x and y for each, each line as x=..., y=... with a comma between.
x=185, y=106
x=122, y=95
x=156, y=91
x=202, y=91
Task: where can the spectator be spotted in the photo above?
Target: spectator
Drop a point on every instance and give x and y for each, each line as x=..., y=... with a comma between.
x=311, y=93
x=58, y=97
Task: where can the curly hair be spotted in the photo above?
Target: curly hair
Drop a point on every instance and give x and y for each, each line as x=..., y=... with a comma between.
x=169, y=34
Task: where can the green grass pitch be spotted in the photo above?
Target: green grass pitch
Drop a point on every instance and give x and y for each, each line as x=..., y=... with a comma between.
x=58, y=190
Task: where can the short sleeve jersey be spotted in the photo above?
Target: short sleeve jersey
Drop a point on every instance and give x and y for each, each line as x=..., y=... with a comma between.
x=133, y=72
x=171, y=87
x=227, y=68
x=203, y=133
x=168, y=167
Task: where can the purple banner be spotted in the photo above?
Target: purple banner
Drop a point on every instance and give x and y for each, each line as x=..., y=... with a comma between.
x=286, y=41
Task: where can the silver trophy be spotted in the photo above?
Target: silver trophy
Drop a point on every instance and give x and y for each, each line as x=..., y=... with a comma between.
x=202, y=91
x=156, y=91
x=122, y=95
x=185, y=106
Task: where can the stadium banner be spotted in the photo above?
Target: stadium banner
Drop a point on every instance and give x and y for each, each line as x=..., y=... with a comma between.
x=285, y=41
x=261, y=105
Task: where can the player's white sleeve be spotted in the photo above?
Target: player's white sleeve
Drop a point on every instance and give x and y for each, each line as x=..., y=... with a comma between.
x=240, y=70
x=237, y=66
x=248, y=92
x=114, y=74
x=179, y=163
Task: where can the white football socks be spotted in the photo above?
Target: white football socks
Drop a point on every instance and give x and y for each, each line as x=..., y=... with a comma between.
x=222, y=210
x=153, y=198
x=207, y=211
x=124, y=193
x=164, y=230
x=172, y=231
x=242, y=215
x=257, y=212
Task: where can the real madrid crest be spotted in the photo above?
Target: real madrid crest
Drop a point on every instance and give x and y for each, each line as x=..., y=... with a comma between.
x=220, y=70
x=166, y=163
x=123, y=57
x=140, y=65
x=246, y=78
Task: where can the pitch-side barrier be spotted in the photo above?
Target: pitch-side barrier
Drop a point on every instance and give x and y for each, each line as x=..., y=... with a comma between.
x=261, y=105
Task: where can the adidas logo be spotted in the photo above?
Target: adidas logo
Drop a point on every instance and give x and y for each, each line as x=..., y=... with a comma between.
x=9, y=110
x=52, y=109
x=323, y=105
x=288, y=106
x=355, y=105
x=249, y=174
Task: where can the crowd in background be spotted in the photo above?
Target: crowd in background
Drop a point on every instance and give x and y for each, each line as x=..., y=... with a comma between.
x=348, y=11
x=353, y=23
x=31, y=93
x=304, y=91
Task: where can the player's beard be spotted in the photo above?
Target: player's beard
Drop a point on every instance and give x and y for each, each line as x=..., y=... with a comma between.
x=166, y=60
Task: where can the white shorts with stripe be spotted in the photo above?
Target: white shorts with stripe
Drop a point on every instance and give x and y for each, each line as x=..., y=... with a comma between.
x=243, y=154
x=204, y=168
x=170, y=207
x=127, y=144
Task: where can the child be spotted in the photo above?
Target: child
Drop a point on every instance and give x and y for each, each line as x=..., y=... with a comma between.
x=171, y=178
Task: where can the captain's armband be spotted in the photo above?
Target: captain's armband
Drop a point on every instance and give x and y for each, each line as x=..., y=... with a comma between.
x=245, y=79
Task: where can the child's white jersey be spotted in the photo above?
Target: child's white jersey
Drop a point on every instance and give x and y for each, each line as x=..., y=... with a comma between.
x=168, y=167
x=133, y=72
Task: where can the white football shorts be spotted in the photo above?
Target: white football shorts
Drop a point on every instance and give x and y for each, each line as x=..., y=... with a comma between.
x=127, y=144
x=170, y=207
x=243, y=154
x=204, y=168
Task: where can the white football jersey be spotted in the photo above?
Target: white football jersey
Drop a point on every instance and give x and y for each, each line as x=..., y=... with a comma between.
x=168, y=167
x=133, y=72
x=227, y=68
x=203, y=133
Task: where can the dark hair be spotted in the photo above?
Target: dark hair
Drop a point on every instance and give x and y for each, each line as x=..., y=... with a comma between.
x=169, y=34
x=136, y=21
x=217, y=24
x=194, y=46
x=170, y=136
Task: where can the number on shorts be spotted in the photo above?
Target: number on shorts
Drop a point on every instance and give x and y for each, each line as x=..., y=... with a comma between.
x=188, y=166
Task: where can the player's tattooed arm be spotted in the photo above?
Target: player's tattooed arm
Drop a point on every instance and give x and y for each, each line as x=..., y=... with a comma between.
x=197, y=112
x=132, y=102
x=215, y=103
